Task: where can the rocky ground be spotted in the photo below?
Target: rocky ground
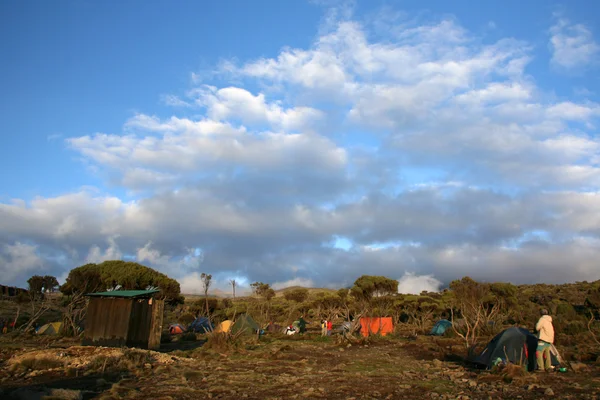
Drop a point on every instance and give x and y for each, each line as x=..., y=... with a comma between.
x=276, y=368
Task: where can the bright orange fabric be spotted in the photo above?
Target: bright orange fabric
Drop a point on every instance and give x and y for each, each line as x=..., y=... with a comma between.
x=376, y=325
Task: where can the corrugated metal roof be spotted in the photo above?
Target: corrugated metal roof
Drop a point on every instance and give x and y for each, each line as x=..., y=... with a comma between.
x=125, y=293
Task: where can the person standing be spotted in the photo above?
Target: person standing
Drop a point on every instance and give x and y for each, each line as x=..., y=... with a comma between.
x=545, y=331
x=323, y=327
x=329, y=328
x=302, y=325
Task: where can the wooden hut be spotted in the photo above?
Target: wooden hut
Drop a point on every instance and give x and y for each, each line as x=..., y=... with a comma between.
x=118, y=318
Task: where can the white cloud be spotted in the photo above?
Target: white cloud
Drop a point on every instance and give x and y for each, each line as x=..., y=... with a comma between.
x=19, y=260
x=573, y=45
x=232, y=103
x=415, y=284
x=427, y=148
x=96, y=255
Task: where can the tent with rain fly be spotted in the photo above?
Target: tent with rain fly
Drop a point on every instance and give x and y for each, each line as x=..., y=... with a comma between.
x=52, y=328
x=245, y=324
x=513, y=345
x=376, y=326
x=176, y=329
x=201, y=325
x=440, y=327
x=224, y=327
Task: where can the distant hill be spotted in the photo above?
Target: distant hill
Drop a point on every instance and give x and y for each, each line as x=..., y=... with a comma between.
x=311, y=291
x=227, y=294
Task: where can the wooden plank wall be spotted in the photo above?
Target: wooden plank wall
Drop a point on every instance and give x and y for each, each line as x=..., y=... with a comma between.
x=156, y=324
x=107, y=322
x=139, y=323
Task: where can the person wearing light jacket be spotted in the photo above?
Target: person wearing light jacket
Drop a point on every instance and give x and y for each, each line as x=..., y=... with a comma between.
x=545, y=340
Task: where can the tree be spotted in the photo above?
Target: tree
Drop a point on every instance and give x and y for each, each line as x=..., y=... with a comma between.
x=80, y=282
x=233, y=284
x=366, y=287
x=471, y=298
x=264, y=291
x=50, y=283
x=36, y=287
x=133, y=276
x=206, y=282
x=261, y=289
x=297, y=295
x=38, y=302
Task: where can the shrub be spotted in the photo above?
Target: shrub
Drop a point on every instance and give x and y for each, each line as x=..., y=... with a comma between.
x=223, y=342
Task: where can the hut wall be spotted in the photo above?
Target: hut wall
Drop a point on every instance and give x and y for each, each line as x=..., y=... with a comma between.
x=156, y=324
x=107, y=322
x=118, y=322
x=139, y=323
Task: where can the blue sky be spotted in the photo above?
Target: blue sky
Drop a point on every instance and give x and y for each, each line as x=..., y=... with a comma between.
x=248, y=138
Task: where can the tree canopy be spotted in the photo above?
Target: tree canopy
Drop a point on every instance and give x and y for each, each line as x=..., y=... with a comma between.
x=123, y=274
x=368, y=286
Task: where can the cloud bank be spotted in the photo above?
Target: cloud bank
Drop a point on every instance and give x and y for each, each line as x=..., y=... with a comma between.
x=427, y=150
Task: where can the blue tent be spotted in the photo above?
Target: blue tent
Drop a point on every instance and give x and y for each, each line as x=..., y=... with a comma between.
x=514, y=345
x=201, y=325
x=440, y=327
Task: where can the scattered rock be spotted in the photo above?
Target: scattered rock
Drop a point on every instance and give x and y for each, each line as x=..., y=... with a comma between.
x=549, y=392
x=148, y=366
x=533, y=386
x=437, y=363
x=472, y=383
x=434, y=395
x=404, y=386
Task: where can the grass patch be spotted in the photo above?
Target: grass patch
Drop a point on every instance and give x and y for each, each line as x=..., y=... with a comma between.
x=131, y=360
x=36, y=364
x=193, y=375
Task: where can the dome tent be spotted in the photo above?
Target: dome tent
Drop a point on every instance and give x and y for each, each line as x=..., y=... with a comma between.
x=440, y=327
x=513, y=345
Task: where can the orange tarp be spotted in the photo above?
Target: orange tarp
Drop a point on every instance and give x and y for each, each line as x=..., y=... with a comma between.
x=376, y=325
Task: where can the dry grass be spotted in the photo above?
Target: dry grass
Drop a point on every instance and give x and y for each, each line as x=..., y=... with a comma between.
x=131, y=360
x=193, y=375
x=36, y=364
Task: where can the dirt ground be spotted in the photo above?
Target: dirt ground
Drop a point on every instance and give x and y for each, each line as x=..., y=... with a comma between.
x=274, y=368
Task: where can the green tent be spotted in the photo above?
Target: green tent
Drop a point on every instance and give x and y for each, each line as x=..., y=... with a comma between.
x=245, y=324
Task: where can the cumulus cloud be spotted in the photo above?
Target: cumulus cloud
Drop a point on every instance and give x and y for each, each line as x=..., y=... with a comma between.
x=572, y=45
x=428, y=150
x=415, y=284
x=19, y=259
